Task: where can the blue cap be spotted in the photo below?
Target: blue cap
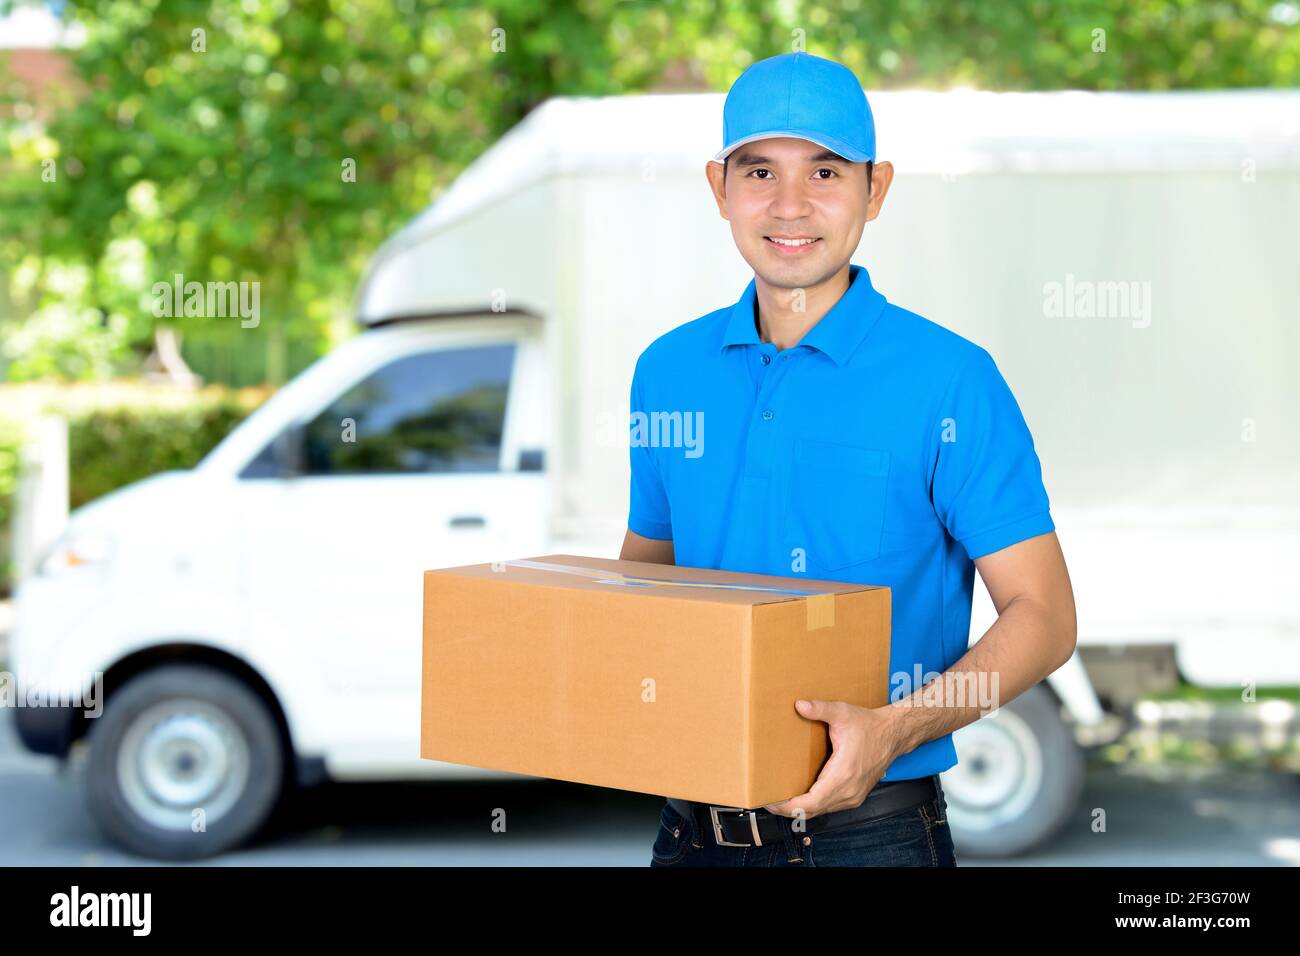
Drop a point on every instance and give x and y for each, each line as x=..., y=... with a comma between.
x=800, y=95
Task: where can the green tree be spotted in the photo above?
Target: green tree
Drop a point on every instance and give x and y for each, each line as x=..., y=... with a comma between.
x=213, y=138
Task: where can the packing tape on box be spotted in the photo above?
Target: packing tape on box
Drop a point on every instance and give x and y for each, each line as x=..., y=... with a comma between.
x=820, y=604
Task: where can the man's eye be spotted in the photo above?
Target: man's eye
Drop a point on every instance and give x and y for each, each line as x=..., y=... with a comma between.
x=828, y=170
x=758, y=171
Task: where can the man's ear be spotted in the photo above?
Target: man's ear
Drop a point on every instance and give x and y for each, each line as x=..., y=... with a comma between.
x=716, y=174
x=882, y=174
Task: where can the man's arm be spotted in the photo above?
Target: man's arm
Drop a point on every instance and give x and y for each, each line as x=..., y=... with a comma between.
x=639, y=548
x=1033, y=636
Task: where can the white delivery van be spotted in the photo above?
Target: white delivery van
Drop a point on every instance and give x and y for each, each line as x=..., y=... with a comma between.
x=256, y=621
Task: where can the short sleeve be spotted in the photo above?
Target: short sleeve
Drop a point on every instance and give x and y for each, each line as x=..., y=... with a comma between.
x=987, y=487
x=648, y=512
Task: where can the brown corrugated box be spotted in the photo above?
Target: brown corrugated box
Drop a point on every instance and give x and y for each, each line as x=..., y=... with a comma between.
x=668, y=680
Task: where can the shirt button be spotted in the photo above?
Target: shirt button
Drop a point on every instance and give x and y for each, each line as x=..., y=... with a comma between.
x=766, y=359
x=767, y=414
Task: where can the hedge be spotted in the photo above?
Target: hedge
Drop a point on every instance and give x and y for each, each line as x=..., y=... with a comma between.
x=118, y=433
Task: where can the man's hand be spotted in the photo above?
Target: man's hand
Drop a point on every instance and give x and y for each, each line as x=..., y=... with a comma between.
x=864, y=742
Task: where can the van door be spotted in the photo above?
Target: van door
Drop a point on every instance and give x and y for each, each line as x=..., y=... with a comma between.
x=420, y=463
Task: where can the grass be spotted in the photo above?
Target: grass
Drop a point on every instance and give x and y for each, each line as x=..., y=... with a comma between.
x=1226, y=695
x=1165, y=745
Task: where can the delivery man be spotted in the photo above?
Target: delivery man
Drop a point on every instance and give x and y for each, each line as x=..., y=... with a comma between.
x=849, y=440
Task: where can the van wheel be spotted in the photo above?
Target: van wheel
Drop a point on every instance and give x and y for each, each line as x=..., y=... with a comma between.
x=184, y=763
x=1018, y=777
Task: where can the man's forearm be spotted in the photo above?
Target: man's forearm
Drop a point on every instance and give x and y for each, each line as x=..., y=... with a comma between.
x=1028, y=641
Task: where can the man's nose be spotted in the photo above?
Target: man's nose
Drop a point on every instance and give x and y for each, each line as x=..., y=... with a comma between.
x=790, y=202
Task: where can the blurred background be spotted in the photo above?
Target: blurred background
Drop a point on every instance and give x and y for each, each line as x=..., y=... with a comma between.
x=229, y=228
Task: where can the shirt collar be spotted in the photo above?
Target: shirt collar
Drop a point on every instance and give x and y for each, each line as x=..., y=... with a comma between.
x=837, y=334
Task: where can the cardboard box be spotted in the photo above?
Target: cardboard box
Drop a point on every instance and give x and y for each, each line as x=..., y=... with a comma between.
x=668, y=680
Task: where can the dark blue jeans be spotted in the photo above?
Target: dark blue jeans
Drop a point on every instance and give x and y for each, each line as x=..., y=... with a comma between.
x=915, y=837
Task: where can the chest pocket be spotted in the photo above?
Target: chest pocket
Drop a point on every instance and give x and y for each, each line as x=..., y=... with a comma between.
x=836, y=505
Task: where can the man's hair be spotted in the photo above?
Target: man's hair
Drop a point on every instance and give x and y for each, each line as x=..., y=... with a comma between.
x=726, y=159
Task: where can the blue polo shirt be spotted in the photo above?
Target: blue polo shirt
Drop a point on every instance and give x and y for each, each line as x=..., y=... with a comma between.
x=882, y=449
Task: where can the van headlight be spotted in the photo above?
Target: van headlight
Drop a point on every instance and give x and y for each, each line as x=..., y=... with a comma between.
x=76, y=550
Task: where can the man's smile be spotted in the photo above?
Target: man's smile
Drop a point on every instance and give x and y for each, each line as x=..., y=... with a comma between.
x=791, y=245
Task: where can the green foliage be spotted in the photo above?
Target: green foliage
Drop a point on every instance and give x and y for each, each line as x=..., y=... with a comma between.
x=112, y=447
x=65, y=341
x=225, y=160
x=229, y=159
x=10, y=444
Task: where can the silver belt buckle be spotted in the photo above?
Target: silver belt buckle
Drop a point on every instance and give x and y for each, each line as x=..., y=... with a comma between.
x=717, y=827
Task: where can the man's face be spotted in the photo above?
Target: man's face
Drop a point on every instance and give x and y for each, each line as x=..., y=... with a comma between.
x=793, y=189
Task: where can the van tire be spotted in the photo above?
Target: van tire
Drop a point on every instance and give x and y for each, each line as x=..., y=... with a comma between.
x=173, y=745
x=1033, y=777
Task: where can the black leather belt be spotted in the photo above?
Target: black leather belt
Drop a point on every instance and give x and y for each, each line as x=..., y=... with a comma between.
x=736, y=826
